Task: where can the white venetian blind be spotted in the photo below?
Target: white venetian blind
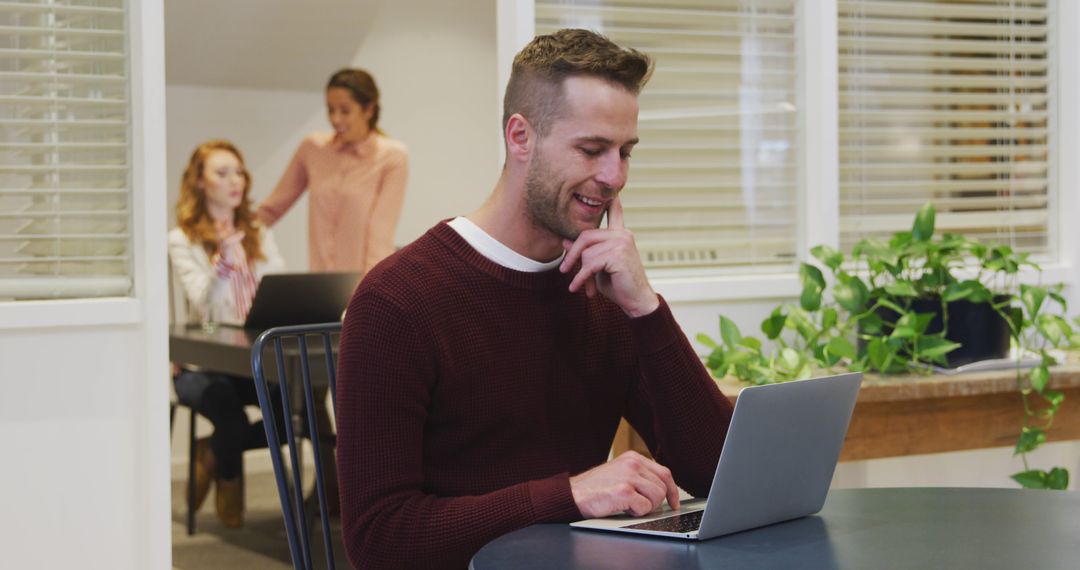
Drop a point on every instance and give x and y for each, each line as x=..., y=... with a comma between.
x=65, y=219
x=713, y=181
x=949, y=102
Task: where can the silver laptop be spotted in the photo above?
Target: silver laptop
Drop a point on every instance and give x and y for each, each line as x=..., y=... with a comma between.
x=776, y=465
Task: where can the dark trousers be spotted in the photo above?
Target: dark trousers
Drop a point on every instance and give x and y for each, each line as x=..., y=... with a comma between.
x=221, y=399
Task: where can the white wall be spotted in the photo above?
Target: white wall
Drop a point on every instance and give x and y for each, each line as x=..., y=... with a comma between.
x=75, y=471
x=974, y=468
x=85, y=482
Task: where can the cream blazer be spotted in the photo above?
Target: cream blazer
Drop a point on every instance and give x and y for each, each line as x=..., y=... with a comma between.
x=200, y=283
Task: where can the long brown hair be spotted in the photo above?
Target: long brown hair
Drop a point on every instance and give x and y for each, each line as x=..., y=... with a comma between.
x=192, y=216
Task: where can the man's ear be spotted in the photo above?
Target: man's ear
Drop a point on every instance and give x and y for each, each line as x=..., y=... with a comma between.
x=520, y=138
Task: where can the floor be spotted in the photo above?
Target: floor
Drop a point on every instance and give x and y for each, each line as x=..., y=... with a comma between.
x=260, y=544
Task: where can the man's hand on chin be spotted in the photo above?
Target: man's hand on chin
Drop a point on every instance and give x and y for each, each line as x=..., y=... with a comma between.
x=611, y=264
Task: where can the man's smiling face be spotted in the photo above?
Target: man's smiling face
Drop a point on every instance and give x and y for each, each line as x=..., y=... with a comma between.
x=581, y=164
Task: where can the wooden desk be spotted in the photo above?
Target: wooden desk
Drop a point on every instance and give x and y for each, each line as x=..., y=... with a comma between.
x=913, y=415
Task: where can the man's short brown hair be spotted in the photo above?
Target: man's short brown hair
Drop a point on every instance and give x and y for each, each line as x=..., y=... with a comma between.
x=535, y=87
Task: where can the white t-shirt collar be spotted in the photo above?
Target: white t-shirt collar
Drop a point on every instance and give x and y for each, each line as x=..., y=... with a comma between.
x=494, y=250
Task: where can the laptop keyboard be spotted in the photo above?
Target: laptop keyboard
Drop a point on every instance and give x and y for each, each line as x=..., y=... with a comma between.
x=688, y=522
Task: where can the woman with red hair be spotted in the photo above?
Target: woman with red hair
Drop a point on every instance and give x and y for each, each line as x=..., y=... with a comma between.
x=219, y=251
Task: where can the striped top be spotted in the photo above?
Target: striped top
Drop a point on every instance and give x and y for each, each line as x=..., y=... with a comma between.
x=232, y=266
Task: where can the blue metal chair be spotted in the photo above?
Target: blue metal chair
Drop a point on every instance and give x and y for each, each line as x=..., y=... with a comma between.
x=291, y=355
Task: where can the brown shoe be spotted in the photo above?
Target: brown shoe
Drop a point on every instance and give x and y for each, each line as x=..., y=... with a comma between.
x=230, y=501
x=205, y=470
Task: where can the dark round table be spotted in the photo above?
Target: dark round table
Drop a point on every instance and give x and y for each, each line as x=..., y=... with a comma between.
x=857, y=528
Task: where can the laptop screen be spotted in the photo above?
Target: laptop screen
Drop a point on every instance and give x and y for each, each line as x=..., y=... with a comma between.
x=300, y=298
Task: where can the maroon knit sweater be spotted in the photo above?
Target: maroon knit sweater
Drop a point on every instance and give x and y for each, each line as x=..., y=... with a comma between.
x=469, y=393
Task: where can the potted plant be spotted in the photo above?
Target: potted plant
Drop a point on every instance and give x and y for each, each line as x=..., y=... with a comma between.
x=908, y=305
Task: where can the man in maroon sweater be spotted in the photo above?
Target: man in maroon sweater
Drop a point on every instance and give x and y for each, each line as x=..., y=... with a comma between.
x=484, y=367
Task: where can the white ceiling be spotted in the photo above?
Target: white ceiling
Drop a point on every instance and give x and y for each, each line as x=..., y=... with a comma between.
x=262, y=44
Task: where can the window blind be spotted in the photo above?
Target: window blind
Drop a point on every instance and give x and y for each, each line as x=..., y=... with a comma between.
x=713, y=182
x=949, y=102
x=65, y=219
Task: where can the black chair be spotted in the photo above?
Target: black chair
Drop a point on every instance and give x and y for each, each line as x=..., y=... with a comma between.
x=290, y=348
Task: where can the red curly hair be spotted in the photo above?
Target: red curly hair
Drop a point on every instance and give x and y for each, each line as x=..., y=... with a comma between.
x=192, y=216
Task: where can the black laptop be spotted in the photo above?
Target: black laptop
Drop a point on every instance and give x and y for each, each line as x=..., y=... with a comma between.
x=300, y=298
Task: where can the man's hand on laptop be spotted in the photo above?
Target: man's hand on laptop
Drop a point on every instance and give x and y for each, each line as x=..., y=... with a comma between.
x=630, y=483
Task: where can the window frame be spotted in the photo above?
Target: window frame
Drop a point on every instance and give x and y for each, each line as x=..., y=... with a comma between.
x=146, y=88
x=818, y=165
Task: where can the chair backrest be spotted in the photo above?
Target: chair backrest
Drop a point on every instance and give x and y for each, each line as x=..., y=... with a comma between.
x=293, y=374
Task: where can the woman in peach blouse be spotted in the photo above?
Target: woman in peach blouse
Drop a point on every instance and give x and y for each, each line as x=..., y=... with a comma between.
x=355, y=177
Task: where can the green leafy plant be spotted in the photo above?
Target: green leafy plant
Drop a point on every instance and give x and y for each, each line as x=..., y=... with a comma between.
x=1038, y=328
x=875, y=310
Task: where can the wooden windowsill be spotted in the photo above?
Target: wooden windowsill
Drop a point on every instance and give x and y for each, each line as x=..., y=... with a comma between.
x=876, y=388
x=912, y=415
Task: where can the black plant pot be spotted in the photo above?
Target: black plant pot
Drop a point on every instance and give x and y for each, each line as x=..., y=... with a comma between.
x=982, y=333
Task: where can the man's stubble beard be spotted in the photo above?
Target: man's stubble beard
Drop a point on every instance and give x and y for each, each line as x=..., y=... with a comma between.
x=542, y=201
